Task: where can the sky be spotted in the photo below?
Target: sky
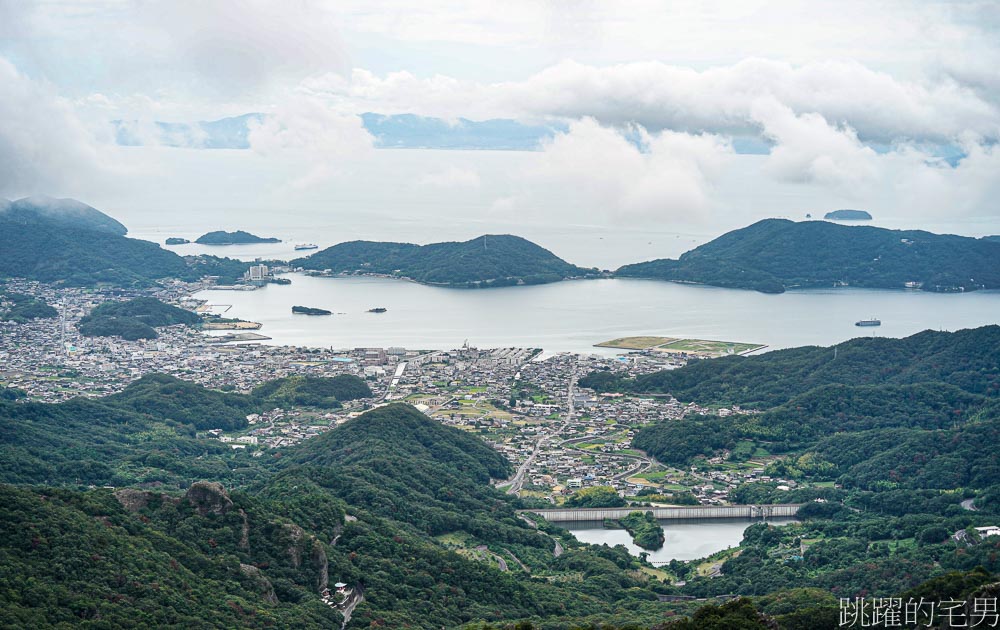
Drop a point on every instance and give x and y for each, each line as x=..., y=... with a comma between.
x=859, y=102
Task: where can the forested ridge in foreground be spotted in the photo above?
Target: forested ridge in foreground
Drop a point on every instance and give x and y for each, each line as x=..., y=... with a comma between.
x=400, y=507
x=882, y=439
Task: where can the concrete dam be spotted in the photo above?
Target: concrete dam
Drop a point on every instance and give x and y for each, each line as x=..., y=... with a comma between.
x=558, y=515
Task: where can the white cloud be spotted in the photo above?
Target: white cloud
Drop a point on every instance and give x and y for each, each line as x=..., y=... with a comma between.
x=878, y=106
x=175, y=49
x=44, y=147
x=597, y=171
x=808, y=149
x=452, y=177
x=308, y=130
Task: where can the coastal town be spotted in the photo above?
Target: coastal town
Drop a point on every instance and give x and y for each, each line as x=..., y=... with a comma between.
x=524, y=402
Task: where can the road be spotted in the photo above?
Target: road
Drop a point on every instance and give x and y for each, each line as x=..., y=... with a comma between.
x=518, y=480
x=357, y=596
x=969, y=504
x=645, y=463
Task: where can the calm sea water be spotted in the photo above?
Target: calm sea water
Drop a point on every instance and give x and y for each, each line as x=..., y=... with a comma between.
x=574, y=315
x=683, y=539
x=388, y=197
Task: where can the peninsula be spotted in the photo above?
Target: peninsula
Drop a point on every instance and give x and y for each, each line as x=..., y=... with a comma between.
x=486, y=261
x=238, y=237
x=776, y=254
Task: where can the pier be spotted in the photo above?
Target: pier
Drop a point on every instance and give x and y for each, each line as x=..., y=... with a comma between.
x=562, y=515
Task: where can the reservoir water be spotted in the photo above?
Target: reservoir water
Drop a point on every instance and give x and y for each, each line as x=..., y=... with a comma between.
x=683, y=539
x=574, y=315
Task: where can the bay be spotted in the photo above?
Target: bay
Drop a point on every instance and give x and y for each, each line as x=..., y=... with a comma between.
x=574, y=315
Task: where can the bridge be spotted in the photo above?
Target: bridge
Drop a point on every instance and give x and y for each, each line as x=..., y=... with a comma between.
x=561, y=515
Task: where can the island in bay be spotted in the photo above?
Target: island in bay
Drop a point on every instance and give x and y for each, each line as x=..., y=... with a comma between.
x=239, y=237
x=307, y=310
x=848, y=215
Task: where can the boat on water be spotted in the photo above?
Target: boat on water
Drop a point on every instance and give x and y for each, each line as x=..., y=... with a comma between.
x=868, y=322
x=302, y=246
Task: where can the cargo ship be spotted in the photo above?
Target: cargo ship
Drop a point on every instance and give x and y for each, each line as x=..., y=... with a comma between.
x=302, y=246
x=868, y=322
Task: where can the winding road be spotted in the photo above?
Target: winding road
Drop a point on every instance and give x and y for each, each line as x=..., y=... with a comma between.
x=517, y=481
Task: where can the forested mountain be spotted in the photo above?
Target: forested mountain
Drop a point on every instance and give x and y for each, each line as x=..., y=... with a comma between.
x=881, y=438
x=262, y=556
x=776, y=254
x=487, y=261
x=68, y=213
x=144, y=434
x=869, y=412
x=400, y=508
x=967, y=359
x=65, y=241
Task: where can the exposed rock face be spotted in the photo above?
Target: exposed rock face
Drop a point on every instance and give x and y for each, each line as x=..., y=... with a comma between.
x=135, y=500
x=321, y=562
x=245, y=533
x=131, y=499
x=294, y=535
x=209, y=497
x=260, y=583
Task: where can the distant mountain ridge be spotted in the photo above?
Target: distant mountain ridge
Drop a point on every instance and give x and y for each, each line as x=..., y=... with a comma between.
x=776, y=254
x=486, y=261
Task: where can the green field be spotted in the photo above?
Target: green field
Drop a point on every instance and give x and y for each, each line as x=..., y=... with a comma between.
x=636, y=343
x=705, y=347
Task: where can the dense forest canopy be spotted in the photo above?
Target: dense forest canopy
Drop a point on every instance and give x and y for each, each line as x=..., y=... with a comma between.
x=491, y=260
x=133, y=319
x=776, y=254
x=74, y=244
x=221, y=237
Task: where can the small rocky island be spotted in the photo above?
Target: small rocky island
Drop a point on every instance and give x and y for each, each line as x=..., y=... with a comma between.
x=305, y=310
x=848, y=215
x=173, y=240
x=377, y=309
x=238, y=237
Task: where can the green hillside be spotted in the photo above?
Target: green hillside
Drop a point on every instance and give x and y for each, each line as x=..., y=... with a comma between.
x=134, y=319
x=312, y=391
x=70, y=243
x=68, y=213
x=22, y=308
x=776, y=254
x=486, y=261
x=400, y=508
x=268, y=551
